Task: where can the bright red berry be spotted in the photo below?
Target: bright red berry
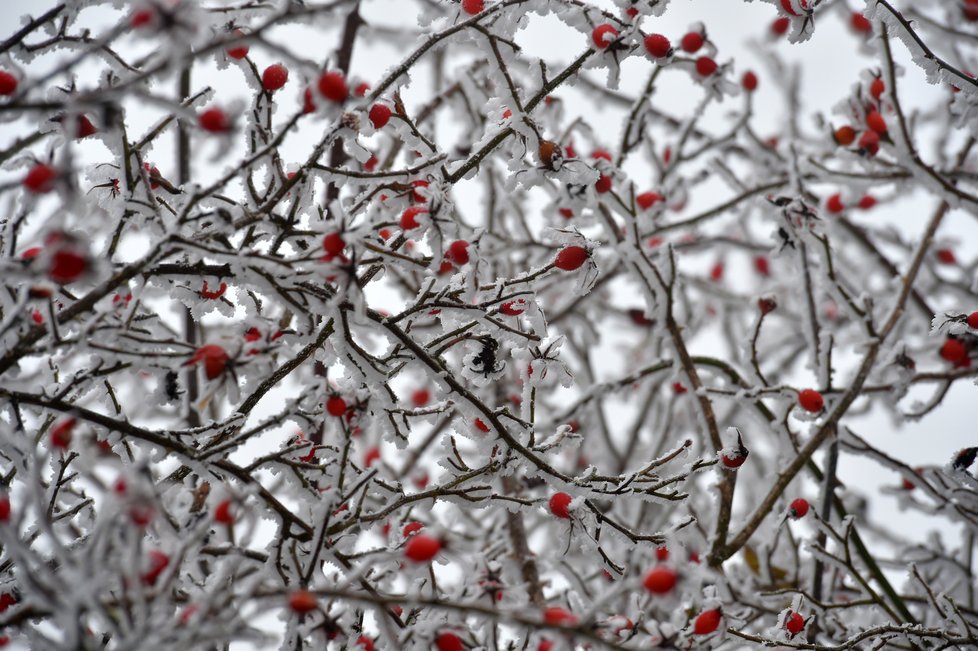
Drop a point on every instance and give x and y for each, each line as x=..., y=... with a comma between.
x=834, y=204
x=603, y=35
x=213, y=120
x=411, y=528
x=870, y=142
x=559, y=505
x=954, y=351
x=867, y=201
x=158, y=562
x=779, y=27
x=570, y=258
x=142, y=18
x=513, y=308
x=421, y=548
x=556, y=616
x=707, y=622
x=380, y=115
x=811, y=400
x=762, y=266
x=8, y=83
x=214, y=357
x=798, y=508
x=223, y=512
x=705, y=66
x=274, y=77
x=876, y=122
x=335, y=406
x=372, y=455
x=40, y=178
x=333, y=244
x=409, y=220
x=660, y=580
x=458, y=252
x=691, y=42
x=332, y=86
x=302, y=602
x=973, y=320
x=648, y=199
x=749, y=81
x=860, y=23
x=794, y=623
x=481, y=426
x=658, y=46
x=449, y=641
x=876, y=88
x=473, y=7
x=603, y=184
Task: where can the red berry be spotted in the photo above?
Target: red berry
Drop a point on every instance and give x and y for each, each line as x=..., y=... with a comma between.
x=66, y=266
x=603, y=184
x=955, y=352
x=973, y=320
x=421, y=548
x=7, y=599
x=8, y=83
x=876, y=88
x=40, y=178
x=513, y=308
x=762, y=266
x=480, y=425
x=559, y=617
x=142, y=18
x=458, y=252
x=786, y=4
x=274, y=77
x=870, y=142
x=662, y=553
x=658, y=46
x=332, y=86
x=661, y=579
x=308, y=103
x=60, y=434
x=213, y=120
x=834, y=204
x=707, y=622
x=678, y=388
x=692, y=42
x=794, y=623
x=302, y=602
x=409, y=219
x=971, y=10
x=733, y=461
x=811, y=400
x=449, y=641
x=411, y=528
x=559, y=505
x=570, y=258
x=860, y=23
x=749, y=81
x=333, y=244
x=946, y=256
x=365, y=642
x=158, y=562
x=566, y=213
x=648, y=199
x=876, y=122
x=473, y=7
x=867, y=202
x=780, y=26
x=603, y=35
x=380, y=115
x=545, y=645
x=239, y=51
x=798, y=508
x=420, y=397
x=373, y=454
x=84, y=127
x=214, y=357
x=845, y=136
x=705, y=66
x=335, y=406
x=223, y=512
x=716, y=272
x=4, y=512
